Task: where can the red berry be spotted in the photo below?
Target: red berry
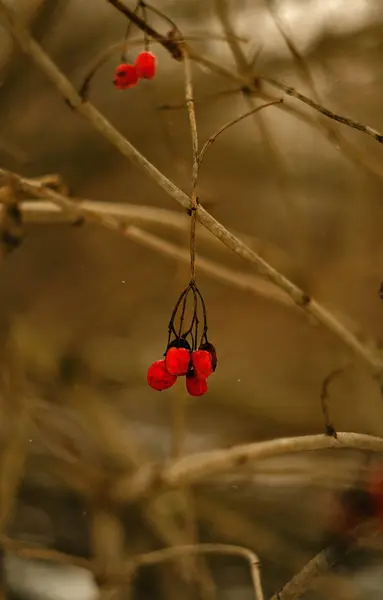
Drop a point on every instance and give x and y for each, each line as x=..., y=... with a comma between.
x=158, y=377
x=196, y=386
x=146, y=65
x=177, y=361
x=125, y=77
x=202, y=363
x=210, y=348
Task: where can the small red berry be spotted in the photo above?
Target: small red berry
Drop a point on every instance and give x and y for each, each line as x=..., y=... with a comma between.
x=146, y=65
x=177, y=361
x=125, y=77
x=202, y=363
x=196, y=386
x=158, y=377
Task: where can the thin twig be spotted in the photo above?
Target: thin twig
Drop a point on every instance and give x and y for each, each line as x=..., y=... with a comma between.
x=189, y=99
x=241, y=281
x=324, y=396
x=290, y=91
x=99, y=122
x=212, y=139
x=196, y=467
x=168, y=43
x=204, y=100
x=322, y=563
x=159, y=556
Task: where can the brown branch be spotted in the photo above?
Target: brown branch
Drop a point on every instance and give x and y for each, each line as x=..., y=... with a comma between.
x=99, y=122
x=290, y=91
x=322, y=563
x=324, y=396
x=238, y=280
x=212, y=139
x=159, y=556
x=168, y=43
x=196, y=467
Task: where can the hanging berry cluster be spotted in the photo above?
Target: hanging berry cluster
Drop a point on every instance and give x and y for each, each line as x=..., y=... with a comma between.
x=128, y=75
x=188, y=353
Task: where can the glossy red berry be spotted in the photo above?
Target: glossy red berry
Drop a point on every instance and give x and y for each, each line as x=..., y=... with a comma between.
x=146, y=65
x=159, y=378
x=177, y=361
x=210, y=348
x=196, y=386
x=125, y=77
x=202, y=363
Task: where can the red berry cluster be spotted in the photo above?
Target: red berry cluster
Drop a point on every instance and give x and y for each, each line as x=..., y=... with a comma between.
x=186, y=354
x=128, y=75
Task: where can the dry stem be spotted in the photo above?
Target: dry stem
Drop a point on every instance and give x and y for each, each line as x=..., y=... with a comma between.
x=212, y=139
x=196, y=467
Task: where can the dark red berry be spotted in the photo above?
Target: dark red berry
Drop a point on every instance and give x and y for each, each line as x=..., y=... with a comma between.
x=177, y=361
x=146, y=65
x=159, y=378
x=202, y=363
x=210, y=348
x=195, y=385
x=125, y=77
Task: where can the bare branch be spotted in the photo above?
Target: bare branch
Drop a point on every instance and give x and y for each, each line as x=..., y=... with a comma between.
x=196, y=467
x=290, y=91
x=160, y=556
x=212, y=139
x=241, y=281
x=324, y=396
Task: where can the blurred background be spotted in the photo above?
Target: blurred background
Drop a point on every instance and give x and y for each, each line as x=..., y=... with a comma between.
x=84, y=311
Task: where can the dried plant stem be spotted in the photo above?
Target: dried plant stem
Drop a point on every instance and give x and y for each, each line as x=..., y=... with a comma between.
x=99, y=122
x=160, y=556
x=212, y=139
x=283, y=180
x=239, y=280
x=324, y=397
x=196, y=467
x=189, y=98
x=290, y=91
x=322, y=563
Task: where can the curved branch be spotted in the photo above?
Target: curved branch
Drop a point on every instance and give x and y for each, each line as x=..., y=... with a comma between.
x=198, y=466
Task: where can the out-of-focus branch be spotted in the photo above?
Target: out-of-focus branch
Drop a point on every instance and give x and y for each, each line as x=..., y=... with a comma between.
x=159, y=556
x=216, y=271
x=323, y=562
x=196, y=467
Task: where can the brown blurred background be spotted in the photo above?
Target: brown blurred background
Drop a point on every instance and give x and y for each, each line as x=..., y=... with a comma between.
x=88, y=310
